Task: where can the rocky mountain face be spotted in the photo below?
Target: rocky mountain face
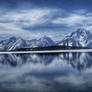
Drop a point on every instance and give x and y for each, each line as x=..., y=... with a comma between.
x=81, y=37
x=14, y=43
x=42, y=42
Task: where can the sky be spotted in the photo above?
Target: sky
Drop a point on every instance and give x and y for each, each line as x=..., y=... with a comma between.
x=37, y=18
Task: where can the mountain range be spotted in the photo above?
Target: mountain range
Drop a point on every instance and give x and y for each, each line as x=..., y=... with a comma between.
x=80, y=38
x=14, y=43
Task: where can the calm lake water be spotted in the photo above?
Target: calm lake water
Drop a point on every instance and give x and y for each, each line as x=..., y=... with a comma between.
x=65, y=72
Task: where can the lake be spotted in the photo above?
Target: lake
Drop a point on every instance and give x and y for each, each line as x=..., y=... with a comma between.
x=64, y=72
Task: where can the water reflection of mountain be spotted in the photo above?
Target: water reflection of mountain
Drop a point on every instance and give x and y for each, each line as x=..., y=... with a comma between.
x=19, y=59
x=80, y=61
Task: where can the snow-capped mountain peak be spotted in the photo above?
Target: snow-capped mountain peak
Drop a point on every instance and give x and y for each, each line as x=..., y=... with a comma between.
x=42, y=42
x=80, y=37
x=17, y=42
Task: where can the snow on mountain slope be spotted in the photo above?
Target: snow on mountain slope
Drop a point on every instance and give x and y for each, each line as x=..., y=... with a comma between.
x=81, y=37
x=16, y=42
x=19, y=43
x=12, y=43
x=42, y=42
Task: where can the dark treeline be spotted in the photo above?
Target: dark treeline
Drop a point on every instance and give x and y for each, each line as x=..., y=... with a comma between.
x=50, y=48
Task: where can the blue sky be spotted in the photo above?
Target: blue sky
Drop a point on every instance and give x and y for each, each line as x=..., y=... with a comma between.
x=36, y=18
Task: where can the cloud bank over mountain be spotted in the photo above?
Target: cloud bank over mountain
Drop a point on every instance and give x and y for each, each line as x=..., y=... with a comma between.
x=32, y=19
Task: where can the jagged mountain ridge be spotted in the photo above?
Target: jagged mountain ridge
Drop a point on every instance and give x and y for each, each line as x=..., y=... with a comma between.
x=14, y=43
x=42, y=42
x=81, y=37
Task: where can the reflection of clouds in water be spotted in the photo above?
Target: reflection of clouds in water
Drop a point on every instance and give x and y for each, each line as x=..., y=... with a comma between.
x=72, y=79
x=49, y=84
x=12, y=73
x=22, y=77
x=39, y=77
x=36, y=84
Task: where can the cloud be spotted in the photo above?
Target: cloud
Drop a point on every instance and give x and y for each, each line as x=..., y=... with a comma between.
x=76, y=19
x=88, y=27
x=80, y=11
x=71, y=20
x=28, y=17
x=35, y=22
x=14, y=22
x=11, y=29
